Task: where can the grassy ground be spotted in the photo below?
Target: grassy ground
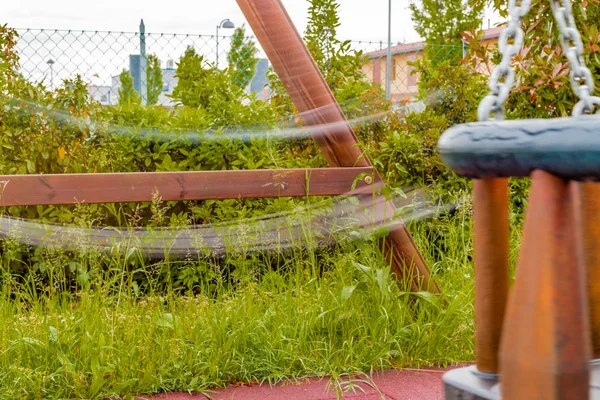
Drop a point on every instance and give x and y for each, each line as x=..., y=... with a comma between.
x=319, y=313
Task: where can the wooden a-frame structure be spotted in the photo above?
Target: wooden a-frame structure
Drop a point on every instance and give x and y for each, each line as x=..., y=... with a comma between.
x=312, y=97
x=308, y=90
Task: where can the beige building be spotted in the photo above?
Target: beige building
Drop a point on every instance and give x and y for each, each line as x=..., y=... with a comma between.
x=404, y=83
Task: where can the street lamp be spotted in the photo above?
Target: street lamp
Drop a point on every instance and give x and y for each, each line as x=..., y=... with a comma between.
x=50, y=62
x=388, y=71
x=225, y=24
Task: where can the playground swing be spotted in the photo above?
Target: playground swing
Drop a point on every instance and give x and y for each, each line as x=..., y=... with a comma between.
x=537, y=341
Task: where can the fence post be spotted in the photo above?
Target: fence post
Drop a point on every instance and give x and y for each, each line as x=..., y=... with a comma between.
x=143, y=64
x=388, y=69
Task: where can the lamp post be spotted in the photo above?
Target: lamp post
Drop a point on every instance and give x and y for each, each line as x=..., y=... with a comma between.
x=388, y=71
x=50, y=62
x=225, y=24
x=143, y=64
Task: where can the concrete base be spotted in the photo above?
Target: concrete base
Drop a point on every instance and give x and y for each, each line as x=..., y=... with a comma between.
x=467, y=384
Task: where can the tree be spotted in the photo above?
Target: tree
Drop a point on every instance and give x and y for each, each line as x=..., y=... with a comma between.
x=128, y=96
x=201, y=86
x=336, y=60
x=542, y=85
x=442, y=22
x=9, y=59
x=339, y=64
x=155, y=80
x=242, y=58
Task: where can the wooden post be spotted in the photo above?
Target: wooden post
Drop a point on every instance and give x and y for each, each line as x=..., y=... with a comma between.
x=311, y=95
x=490, y=209
x=589, y=203
x=546, y=349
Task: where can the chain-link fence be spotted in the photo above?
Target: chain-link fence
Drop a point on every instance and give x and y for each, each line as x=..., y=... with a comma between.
x=403, y=79
x=51, y=56
x=99, y=57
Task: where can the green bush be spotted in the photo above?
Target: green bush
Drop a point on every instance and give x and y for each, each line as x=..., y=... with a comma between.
x=43, y=138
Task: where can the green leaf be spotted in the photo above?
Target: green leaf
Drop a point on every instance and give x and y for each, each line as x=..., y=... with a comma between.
x=30, y=166
x=165, y=321
x=347, y=292
x=53, y=335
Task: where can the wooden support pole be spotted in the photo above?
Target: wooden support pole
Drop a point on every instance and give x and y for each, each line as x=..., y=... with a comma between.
x=546, y=348
x=308, y=90
x=490, y=209
x=589, y=203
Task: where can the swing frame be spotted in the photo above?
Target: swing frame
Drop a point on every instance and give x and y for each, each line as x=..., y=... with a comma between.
x=312, y=97
x=537, y=339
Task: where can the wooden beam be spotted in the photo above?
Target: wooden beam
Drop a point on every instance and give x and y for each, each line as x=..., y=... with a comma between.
x=22, y=190
x=303, y=81
x=308, y=90
x=588, y=197
x=490, y=212
x=546, y=345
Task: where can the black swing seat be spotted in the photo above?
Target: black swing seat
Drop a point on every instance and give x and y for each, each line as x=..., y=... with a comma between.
x=565, y=147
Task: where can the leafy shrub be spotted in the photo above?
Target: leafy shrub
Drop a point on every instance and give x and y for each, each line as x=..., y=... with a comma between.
x=202, y=86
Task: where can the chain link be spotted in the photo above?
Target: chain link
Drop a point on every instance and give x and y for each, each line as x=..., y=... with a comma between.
x=494, y=102
x=582, y=80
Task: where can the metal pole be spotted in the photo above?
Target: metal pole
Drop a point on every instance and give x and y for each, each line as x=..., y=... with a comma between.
x=388, y=71
x=217, y=46
x=143, y=64
x=227, y=24
x=50, y=63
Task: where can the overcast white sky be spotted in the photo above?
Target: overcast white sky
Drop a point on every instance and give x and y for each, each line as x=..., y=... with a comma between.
x=360, y=19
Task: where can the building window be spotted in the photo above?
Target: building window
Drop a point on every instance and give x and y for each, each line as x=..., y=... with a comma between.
x=104, y=98
x=166, y=88
x=377, y=70
x=393, y=74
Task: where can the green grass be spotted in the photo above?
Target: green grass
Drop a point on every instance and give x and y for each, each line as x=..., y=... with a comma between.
x=318, y=313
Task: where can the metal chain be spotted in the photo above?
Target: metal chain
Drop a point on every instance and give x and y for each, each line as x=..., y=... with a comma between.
x=582, y=80
x=494, y=102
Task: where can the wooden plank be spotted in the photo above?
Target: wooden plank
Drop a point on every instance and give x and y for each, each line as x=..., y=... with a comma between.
x=490, y=210
x=546, y=345
x=196, y=185
x=308, y=90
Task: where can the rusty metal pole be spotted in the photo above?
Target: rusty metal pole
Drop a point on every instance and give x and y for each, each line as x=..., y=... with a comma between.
x=589, y=204
x=546, y=346
x=308, y=90
x=490, y=209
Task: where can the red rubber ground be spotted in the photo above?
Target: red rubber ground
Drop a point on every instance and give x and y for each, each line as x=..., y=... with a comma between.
x=391, y=385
